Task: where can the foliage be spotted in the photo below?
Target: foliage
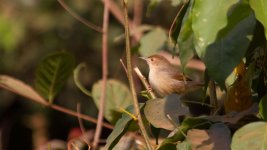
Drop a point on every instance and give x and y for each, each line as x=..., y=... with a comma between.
x=114, y=100
x=52, y=73
x=251, y=136
x=225, y=36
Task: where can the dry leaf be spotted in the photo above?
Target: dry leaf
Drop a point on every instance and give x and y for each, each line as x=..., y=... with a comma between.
x=20, y=88
x=218, y=137
x=239, y=94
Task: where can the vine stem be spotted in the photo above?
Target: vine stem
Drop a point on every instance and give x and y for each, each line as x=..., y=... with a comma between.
x=104, y=75
x=130, y=76
x=213, y=96
x=56, y=107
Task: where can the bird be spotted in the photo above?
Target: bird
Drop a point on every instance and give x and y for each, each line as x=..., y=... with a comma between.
x=165, y=78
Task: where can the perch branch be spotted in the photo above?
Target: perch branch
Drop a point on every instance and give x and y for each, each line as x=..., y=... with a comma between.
x=144, y=82
x=130, y=76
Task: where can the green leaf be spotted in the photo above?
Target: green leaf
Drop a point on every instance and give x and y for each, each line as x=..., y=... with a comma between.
x=156, y=111
x=52, y=73
x=184, y=146
x=260, y=7
x=208, y=18
x=152, y=42
x=263, y=108
x=120, y=128
x=251, y=136
x=117, y=96
x=186, y=38
x=223, y=36
x=188, y=123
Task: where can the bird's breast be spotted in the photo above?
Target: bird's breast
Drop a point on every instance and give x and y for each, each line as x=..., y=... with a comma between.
x=161, y=83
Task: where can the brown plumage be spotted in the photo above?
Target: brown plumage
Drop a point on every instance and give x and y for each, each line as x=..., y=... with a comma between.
x=165, y=78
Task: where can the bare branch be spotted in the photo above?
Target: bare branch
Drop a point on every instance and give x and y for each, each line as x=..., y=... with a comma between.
x=79, y=18
x=104, y=74
x=144, y=81
x=130, y=77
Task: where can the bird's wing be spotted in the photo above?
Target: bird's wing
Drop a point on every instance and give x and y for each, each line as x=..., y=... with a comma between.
x=181, y=77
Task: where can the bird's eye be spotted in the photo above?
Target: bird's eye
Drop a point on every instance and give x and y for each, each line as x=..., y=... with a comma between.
x=152, y=59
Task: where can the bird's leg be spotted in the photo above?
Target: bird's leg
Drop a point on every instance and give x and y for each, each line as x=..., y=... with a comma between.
x=184, y=79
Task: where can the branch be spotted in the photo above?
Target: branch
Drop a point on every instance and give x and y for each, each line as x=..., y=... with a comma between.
x=137, y=18
x=104, y=74
x=213, y=96
x=144, y=81
x=130, y=76
x=81, y=125
x=175, y=20
x=59, y=108
x=79, y=18
x=75, y=114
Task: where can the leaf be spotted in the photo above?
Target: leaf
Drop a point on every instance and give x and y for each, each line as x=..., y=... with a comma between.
x=186, y=38
x=260, y=7
x=184, y=146
x=117, y=96
x=152, y=42
x=52, y=73
x=263, y=108
x=20, y=88
x=120, y=128
x=222, y=37
x=206, y=25
x=156, y=111
x=218, y=137
x=251, y=136
x=188, y=123
x=239, y=96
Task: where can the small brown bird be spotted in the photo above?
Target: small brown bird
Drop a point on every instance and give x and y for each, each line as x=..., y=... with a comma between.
x=166, y=79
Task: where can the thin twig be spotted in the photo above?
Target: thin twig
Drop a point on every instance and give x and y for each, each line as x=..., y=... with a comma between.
x=75, y=114
x=130, y=77
x=175, y=125
x=118, y=14
x=104, y=74
x=137, y=18
x=213, y=96
x=59, y=108
x=175, y=20
x=81, y=125
x=144, y=81
x=123, y=65
x=79, y=18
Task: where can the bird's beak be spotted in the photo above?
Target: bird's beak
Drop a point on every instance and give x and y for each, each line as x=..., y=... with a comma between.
x=144, y=58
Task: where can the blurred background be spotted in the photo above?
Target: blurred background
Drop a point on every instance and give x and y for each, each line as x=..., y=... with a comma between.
x=33, y=29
